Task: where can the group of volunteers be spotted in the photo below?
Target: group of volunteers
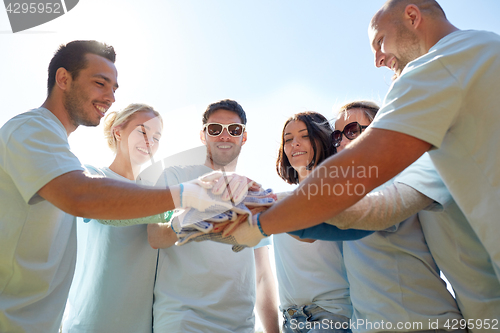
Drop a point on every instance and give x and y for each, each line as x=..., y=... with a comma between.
x=346, y=261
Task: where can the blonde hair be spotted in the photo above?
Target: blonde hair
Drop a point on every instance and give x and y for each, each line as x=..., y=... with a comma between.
x=119, y=119
x=369, y=108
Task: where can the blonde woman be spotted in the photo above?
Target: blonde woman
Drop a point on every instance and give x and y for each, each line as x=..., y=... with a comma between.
x=112, y=290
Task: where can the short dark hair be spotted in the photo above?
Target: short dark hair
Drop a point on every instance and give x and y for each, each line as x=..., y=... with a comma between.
x=320, y=135
x=72, y=58
x=225, y=104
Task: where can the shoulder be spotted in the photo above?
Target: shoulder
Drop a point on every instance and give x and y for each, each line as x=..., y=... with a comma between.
x=31, y=124
x=187, y=173
x=464, y=45
x=469, y=37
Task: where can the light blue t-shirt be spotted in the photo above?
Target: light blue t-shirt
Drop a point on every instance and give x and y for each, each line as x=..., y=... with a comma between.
x=203, y=287
x=37, y=240
x=112, y=290
x=454, y=245
x=449, y=98
x=311, y=273
x=394, y=279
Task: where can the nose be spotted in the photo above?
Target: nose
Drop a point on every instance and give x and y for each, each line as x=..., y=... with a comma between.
x=295, y=142
x=110, y=95
x=379, y=59
x=342, y=145
x=224, y=136
x=149, y=140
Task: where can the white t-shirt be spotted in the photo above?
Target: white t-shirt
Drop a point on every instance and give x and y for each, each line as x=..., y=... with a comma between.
x=394, y=280
x=449, y=98
x=454, y=245
x=312, y=273
x=112, y=290
x=203, y=287
x=37, y=240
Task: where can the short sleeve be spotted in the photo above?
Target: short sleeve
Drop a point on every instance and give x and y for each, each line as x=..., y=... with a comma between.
x=263, y=242
x=424, y=102
x=328, y=232
x=423, y=177
x=35, y=153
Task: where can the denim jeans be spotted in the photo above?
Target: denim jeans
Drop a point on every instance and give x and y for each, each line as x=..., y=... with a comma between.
x=313, y=319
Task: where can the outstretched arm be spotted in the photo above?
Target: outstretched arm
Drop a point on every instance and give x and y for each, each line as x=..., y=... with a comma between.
x=377, y=211
x=102, y=198
x=343, y=179
x=382, y=209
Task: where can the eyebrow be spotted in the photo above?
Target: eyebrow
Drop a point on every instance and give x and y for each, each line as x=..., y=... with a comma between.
x=147, y=127
x=302, y=130
x=374, y=43
x=107, y=79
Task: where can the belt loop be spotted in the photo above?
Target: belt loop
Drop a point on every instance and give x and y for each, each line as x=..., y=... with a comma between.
x=307, y=314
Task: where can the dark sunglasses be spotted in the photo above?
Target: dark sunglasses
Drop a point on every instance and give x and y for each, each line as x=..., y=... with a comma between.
x=215, y=129
x=351, y=131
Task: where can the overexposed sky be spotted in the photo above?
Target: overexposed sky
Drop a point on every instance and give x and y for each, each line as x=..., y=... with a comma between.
x=275, y=58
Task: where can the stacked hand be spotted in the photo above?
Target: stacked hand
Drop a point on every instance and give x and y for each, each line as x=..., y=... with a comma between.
x=222, y=225
x=247, y=234
x=230, y=186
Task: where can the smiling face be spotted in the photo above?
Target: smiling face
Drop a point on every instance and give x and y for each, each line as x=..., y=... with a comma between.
x=297, y=147
x=223, y=150
x=138, y=140
x=91, y=93
x=393, y=44
x=351, y=115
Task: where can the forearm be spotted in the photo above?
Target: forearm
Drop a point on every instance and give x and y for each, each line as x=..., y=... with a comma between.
x=343, y=179
x=266, y=302
x=103, y=198
x=382, y=209
x=160, y=218
x=161, y=235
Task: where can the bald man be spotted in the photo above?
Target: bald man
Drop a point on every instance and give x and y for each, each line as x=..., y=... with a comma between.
x=443, y=101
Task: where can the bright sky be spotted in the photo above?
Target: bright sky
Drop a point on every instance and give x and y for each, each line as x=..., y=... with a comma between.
x=276, y=58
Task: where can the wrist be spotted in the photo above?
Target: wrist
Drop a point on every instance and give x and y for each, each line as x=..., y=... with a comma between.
x=257, y=217
x=175, y=193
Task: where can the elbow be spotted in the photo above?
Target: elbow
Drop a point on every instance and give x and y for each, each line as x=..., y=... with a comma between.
x=71, y=193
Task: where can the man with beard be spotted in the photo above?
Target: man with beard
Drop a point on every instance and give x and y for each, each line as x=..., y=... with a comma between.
x=205, y=286
x=43, y=186
x=444, y=100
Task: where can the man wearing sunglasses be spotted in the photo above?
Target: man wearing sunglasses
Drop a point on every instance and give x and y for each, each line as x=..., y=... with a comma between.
x=205, y=286
x=223, y=134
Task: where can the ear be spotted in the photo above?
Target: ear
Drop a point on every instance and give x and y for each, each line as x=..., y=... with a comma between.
x=413, y=16
x=202, y=137
x=63, y=78
x=117, y=133
x=244, y=139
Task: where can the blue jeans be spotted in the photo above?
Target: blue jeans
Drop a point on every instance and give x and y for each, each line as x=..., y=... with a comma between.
x=312, y=319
